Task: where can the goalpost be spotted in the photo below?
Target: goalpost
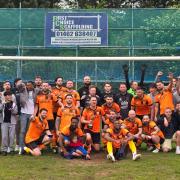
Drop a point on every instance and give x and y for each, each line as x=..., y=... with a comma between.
x=55, y=58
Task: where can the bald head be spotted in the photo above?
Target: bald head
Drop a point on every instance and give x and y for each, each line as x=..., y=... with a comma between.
x=87, y=80
x=132, y=114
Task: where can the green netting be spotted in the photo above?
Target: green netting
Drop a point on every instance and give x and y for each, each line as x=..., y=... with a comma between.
x=131, y=32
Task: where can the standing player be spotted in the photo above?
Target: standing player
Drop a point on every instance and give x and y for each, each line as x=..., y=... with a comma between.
x=142, y=104
x=45, y=99
x=58, y=92
x=110, y=105
x=8, y=110
x=66, y=113
x=38, y=82
x=164, y=98
x=92, y=117
x=27, y=101
x=84, y=90
x=74, y=93
x=133, y=85
x=86, y=98
x=123, y=99
x=107, y=92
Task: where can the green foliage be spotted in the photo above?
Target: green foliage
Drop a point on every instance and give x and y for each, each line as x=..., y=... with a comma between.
x=88, y=4
x=28, y=3
x=164, y=29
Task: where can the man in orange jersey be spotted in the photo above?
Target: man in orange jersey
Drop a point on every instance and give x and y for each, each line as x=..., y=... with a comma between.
x=134, y=126
x=151, y=134
x=142, y=104
x=164, y=98
x=58, y=92
x=45, y=99
x=74, y=93
x=38, y=134
x=71, y=140
x=92, y=117
x=117, y=140
x=65, y=114
x=109, y=123
x=111, y=118
x=110, y=105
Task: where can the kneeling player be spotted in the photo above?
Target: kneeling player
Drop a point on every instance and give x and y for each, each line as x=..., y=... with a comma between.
x=109, y=123
x=38, y=134
x=134, y=126
x=70, y=141
x=151, y=134
x=118, y=138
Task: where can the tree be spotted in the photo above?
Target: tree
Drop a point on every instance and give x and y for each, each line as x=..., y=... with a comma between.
x=86, y=4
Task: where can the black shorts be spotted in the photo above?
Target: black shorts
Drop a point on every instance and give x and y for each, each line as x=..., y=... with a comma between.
x=141, y=116
x=34, y=144
x=51, y=124
x=54, y=115
x=161, y=141
x=95, y=136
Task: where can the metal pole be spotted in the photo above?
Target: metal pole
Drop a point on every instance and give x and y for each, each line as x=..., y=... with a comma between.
x=77, y=53
x=132, y=38
x=129, y=64
x=76, y=68
x=96, y=72
x=19, y=68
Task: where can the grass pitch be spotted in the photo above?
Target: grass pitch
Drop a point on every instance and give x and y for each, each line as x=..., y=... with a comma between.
x=159, y=166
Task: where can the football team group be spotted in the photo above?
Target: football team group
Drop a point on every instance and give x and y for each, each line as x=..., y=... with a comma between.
x=37, y=116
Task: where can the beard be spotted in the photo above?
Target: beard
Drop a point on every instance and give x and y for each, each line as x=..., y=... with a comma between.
x=145, y=123
x=116, y=130
x=87, y=83
x=109, y=104
x=45, y=91
x=111, y=119
x=72, y=128
x=59, y=85
x=42, y=117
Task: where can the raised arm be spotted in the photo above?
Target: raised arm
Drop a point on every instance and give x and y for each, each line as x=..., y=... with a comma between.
x=169, y=87
x=158, y=76
x=143, y=70
x=126, y=70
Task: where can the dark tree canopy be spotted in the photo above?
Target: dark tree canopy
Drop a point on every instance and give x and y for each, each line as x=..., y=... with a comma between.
x=89, y=3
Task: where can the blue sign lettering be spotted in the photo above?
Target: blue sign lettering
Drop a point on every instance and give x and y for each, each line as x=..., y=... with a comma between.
x=76, y=29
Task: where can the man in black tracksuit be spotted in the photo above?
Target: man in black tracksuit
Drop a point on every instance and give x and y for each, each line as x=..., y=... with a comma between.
x=84, y=91
x=123, y=99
